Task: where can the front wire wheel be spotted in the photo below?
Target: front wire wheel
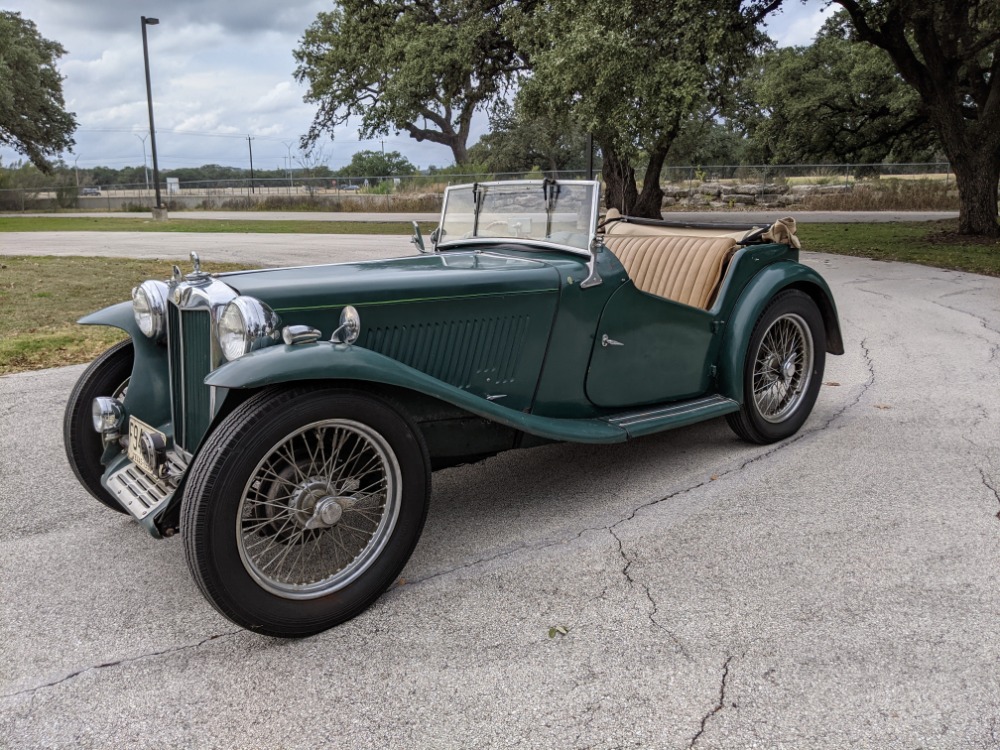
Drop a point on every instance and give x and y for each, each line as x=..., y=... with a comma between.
x=319, y=509
x=783, y=369
x=303, y=506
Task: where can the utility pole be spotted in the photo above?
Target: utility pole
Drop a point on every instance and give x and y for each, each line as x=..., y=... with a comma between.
x=250, y=146
x=288, y=145
x=145, y=166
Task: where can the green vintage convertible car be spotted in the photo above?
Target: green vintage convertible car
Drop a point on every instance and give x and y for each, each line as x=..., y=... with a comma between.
x=286, y=421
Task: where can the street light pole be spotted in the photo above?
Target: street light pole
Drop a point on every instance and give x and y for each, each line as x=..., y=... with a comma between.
x=149, y=101
x=145, y=166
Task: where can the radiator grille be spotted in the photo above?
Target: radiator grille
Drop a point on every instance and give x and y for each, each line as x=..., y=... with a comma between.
x=189, y=341
x=458, y=352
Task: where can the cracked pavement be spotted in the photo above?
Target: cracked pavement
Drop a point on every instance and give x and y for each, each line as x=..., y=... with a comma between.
x=838, y=589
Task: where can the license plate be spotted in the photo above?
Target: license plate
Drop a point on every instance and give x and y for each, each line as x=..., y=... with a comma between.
x=136, y=429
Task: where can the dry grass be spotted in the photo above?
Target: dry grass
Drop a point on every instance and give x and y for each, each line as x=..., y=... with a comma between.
x=42, y=297
x=888, y=195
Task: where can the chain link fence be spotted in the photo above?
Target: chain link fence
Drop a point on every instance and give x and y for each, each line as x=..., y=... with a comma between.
x=423, y=192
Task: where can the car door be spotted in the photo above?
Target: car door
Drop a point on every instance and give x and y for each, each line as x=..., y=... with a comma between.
x=648, y=349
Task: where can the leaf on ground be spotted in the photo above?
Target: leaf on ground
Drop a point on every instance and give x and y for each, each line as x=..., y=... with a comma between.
x=558, y=630
x=882, y=406
x=831, y=382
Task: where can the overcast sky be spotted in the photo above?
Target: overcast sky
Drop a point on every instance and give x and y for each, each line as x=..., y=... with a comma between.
x=220, y=71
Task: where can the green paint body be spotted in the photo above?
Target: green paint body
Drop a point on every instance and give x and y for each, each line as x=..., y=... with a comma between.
x=501, y=345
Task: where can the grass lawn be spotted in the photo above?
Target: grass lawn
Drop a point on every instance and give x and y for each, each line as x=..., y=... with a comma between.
x=42, y=297
x=240, y=226
x=930, y=243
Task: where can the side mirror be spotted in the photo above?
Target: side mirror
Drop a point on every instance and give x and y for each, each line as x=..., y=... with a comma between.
x=418, y=238
x=435, y=236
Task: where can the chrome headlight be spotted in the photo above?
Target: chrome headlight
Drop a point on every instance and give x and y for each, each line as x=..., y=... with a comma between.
x=149, y=305
x=247, y=324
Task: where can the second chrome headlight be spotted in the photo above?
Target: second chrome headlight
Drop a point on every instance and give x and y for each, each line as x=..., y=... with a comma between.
x=247, y=324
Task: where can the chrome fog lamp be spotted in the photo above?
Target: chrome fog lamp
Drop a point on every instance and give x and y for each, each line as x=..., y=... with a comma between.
x=350, y=326
x=108, y=415
x=149, y=305
x=247, y=324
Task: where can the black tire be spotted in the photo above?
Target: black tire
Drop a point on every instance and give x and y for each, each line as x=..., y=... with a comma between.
x=106, y=376
x=281, y=462
x=787, y=395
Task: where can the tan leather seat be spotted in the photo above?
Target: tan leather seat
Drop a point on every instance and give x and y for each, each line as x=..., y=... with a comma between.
x=683, y=269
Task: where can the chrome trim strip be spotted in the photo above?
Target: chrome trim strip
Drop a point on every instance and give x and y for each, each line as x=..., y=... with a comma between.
x=515, y=241
x=627, y=420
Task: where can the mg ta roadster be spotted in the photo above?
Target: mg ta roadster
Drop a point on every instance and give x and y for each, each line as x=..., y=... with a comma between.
x=286, y=421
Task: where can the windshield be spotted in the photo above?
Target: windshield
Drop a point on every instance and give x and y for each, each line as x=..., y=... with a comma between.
x=560, y=213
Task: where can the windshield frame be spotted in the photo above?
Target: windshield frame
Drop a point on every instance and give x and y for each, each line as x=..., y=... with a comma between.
x=465, y=241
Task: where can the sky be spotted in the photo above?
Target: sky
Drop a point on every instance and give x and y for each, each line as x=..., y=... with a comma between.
x=221, y=71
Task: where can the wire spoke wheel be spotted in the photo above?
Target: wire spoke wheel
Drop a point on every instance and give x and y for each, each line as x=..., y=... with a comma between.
x=783, y=368
x=318, y=509
x=303, y=506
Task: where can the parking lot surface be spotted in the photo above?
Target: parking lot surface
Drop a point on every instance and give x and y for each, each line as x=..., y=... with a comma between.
x=838, y=589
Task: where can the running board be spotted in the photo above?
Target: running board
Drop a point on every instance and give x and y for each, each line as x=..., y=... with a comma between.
x=648, y=420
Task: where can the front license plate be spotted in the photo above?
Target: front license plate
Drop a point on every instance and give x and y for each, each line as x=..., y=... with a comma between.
x=136, y=429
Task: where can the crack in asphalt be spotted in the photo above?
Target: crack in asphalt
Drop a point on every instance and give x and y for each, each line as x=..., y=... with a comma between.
x=982, y=321
x=118, y=662
x=649, y=595
x=991, y=487
x=545, y=544
x=718, y=706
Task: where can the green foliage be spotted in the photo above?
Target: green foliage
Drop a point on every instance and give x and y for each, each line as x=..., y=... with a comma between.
x=423, y=67
x=630, y=72
x=949, y=52
x=703, y=139
x=837, y=100
x=377, y=164
x=33, y=118
x=517, y=141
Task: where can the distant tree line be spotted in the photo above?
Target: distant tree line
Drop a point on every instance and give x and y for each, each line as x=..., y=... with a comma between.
x=654, y=82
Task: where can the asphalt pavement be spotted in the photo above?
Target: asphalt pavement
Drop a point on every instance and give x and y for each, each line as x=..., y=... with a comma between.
x=839, y=589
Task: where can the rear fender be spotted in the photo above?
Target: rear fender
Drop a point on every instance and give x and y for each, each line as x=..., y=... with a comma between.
x=747, y=311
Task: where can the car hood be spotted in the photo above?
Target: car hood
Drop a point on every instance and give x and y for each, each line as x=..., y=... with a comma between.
x=422, y=277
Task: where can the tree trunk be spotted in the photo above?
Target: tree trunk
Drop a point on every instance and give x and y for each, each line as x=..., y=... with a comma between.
x=459, y=150
x=619, y=180
x=650, y=203
x=977, y=195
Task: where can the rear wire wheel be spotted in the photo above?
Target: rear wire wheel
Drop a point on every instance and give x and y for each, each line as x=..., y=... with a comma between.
x=303, y=506
x=783, y=369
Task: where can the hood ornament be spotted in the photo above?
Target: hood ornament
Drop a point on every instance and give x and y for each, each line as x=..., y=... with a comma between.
x=196, y=261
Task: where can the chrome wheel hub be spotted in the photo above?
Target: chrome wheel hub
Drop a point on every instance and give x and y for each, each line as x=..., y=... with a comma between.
x=782, y=368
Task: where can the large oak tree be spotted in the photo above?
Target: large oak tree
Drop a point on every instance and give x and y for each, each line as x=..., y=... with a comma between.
x=33, y=116
x=632, y=72
x=419, y=66
x=949, y=52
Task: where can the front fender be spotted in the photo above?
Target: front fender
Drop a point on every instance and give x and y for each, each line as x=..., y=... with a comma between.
x=747, y=311
x=148, y=396
x=332, y=362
